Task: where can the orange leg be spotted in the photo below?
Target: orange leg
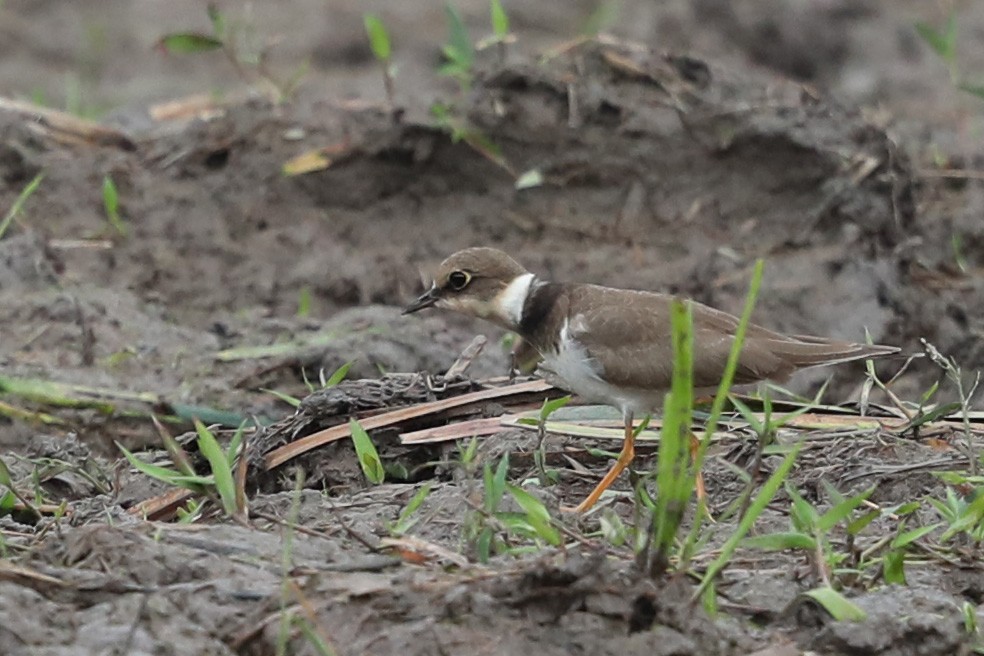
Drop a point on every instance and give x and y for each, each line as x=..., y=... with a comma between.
x=624, y=458
x=701, y=490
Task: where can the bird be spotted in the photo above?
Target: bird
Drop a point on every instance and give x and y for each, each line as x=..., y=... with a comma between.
x=613, y=346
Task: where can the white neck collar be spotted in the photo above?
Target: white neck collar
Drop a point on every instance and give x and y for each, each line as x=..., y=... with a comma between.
x=511, y=300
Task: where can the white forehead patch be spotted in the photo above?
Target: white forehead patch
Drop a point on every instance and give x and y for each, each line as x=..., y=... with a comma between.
x=511, y=300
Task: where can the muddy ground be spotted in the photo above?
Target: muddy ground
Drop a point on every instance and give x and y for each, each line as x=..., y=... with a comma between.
x=815, y=136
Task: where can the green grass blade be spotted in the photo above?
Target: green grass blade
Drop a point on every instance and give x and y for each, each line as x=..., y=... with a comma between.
x=551, y=406
x=729, y=370
x=365, y=450
x=780, y=542
x=856, y=526
x=163, y=474
x=211, y=416
x=5, y=479
x=7, y=503
x=292, y=401
x=748, y=415
x=903, y=540
x=18, y=205
x=339, y=374
x=483, y=546
x=111, y=203
x=304, y=301
x=674, y=478
x=500, y=20
x=762, y=499
x=969, y=516
x=803, y=515
x=893, y=567
x=379, y=40
x=186, y=43
x=839, y=607
x=536, y=514
x=178, y=455
x=721, y=397
x=237, y=439
x=221, y=469
x=842, y=510
x=406, y=520
x=459, y=48
x=218, y=21
x=974, y=90
x=495, y=484
x=321, y=647
x=604, y=15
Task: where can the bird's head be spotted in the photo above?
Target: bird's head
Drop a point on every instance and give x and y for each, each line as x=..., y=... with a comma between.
x=480, y=282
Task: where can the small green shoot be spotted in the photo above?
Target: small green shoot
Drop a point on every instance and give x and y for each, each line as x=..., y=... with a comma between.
x=337, y=376
x=489, y=530
x=111, y=203
x=379, y=39
x=954, y=373
x=613, y=529
x=811, y=531
x=365, y=450
x=976, y=90
x=468, y=455
x=500, y=21
x=839, y=607
x=459, y=130
x=495, y=484
x=221, y=464
x=550, y=406
x=957, y=246
x=196, y=483
x=537, y=515
x=304, y=301
x=382, y=49
x=188, y=43
x=480, y=528
x=962, y=515
x=7, y=481
x=237, y=41
x=765, y=430
x=408, y=516
x=972, y=627
x=943, y=41
x=191, y=512
x=603, y=17
x=761, y=500
x=893, y=563
x=19, y=203
x=292, y=401
x=220, y=485
x=500, y=37
x=459, y=51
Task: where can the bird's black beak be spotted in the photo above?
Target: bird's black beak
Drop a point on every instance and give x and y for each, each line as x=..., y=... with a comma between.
x=426, y=300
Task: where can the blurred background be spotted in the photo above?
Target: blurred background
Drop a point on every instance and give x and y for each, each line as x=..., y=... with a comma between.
x=98, y=57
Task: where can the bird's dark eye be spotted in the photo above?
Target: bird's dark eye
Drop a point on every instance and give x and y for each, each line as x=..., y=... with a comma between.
x=458, y=279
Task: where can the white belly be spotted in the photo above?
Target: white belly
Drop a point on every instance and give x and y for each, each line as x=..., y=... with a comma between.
x=571, y=368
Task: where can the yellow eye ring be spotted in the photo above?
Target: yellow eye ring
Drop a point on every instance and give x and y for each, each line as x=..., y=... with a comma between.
x=458, y=280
